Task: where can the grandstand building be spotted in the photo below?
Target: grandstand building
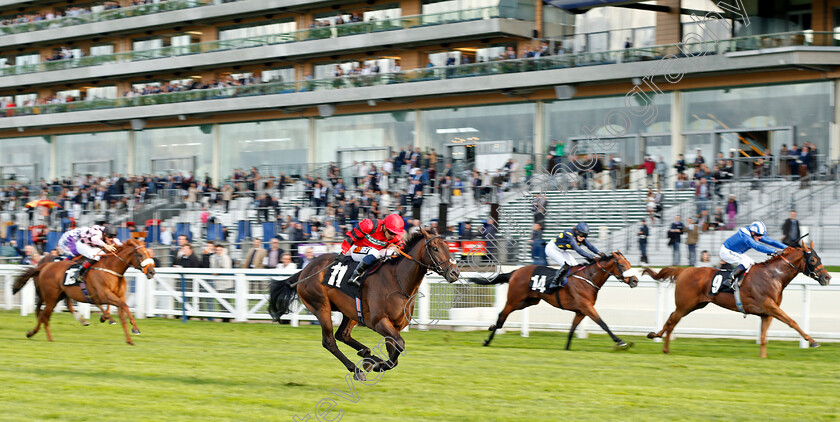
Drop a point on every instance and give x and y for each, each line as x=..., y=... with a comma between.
x=209, y=86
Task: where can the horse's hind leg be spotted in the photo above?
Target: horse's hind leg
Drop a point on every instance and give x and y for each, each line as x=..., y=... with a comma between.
x=506, y=311
x=44, y=317
x=578, y=318
x=106, y=314
x=393, y=342
x=343, y=335
x=77, y=315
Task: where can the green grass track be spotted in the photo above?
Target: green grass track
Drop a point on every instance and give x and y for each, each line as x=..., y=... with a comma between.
x=211, y=371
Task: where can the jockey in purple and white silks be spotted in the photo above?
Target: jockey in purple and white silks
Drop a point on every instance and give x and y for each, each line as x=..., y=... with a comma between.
x=67, y=242
x=92, y=241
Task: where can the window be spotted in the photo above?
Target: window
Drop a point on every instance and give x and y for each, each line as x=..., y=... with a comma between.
x=100, y=93
x=256, y=30
x=22, y=99
x=279, y=75
x=70, y=93
x=27, y=59
x=147, y=44
x=101, y=50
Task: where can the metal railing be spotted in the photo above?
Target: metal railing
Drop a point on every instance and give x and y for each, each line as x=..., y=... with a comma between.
x=242, y=295
x=105, y=15
x=309, y=34
x=356, y=81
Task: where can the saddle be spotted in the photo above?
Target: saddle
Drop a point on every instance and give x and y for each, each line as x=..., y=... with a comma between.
x=721, y=282
x=338, y=277
x=542, y=276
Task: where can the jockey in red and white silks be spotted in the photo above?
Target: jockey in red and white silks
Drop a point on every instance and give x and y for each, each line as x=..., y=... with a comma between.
x=371, y=240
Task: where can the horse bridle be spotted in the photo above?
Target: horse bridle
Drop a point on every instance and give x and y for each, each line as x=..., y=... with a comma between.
x=437, y=268
x=598, y=263
x=810, y=271
x=144, y=264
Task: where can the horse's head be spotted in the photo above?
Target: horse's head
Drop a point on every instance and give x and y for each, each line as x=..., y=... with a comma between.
x=813, y=266
x=619, y=267
x=140, y=258
x=436, y=257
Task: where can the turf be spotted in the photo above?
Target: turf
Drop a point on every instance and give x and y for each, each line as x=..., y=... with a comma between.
x=212, y=371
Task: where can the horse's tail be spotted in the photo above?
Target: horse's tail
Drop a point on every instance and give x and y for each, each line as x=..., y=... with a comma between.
x=667, y=273
x=499, y=279
x=23, y=277
x=281, y=296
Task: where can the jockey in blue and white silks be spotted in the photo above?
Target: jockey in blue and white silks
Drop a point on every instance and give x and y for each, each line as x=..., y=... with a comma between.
x=558, y=251
x=753, y=236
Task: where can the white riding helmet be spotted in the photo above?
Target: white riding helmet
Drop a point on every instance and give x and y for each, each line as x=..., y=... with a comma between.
x=758, y=228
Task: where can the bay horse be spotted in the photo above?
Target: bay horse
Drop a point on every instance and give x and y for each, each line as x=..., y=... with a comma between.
x=578, y=295
x=105, y=284
x=387, y=298
x=761, y=290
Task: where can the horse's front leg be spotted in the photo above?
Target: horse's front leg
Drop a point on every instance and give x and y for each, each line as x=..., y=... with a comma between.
x=394, y=343
x=343, y=335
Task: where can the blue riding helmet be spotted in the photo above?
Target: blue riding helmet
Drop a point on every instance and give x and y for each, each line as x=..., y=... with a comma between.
x=582, y=229
x=758, y=228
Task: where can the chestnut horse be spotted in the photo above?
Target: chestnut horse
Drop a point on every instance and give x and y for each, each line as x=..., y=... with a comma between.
x=761, y=290
x=387, y=298
x=578, y=295
x=105, y=284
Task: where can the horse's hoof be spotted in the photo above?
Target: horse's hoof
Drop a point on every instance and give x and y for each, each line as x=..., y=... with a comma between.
x=651, y=335
x=814, y=345
x=112, y=322
x=101, y=319
x=359, y=376
x=85, y=323
x=135, y=331
x=492, y=328
x=130, y=343
x=623, y=346
x=486, y=342
x=29, y=334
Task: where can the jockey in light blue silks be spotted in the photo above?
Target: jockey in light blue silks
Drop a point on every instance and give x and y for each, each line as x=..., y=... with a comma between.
x=753, y=236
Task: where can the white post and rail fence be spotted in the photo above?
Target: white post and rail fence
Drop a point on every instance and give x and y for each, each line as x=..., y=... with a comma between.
x=242, y=295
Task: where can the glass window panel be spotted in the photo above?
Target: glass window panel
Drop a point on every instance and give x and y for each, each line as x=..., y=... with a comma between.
x=27, y=59
x=101, y=92
x=96, y=153
x=101, y=50
x=27, y=157
x=277, y=143
x=507, y=122
x=178, y=149
x=806, y=106
x=279, y=75
x=23, y=99
x=381, y=130
x=140, y=45
x=589, y=117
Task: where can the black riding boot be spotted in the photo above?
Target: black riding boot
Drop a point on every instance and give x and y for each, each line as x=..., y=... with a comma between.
x=357, y=273
x=86, y=264
x=559, y=276
x=733, y=277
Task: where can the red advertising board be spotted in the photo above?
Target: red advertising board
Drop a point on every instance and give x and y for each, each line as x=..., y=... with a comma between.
x=473, y=247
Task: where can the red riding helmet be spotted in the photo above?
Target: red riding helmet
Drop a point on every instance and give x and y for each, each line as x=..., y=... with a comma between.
x=394, y=224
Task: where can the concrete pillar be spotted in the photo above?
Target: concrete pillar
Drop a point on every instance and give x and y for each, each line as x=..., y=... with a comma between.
x=313, y=140
x=668, y=27
x=217, y=154
x=539, y=135
x=132, y=155
x=834, y=133
x=208, y=33
x=538, y=18
x=418, y=130
x=53, y=157
x=677, y=139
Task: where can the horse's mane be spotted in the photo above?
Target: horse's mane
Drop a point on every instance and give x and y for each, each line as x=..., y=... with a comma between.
x=412, y=240
x=778, y=257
